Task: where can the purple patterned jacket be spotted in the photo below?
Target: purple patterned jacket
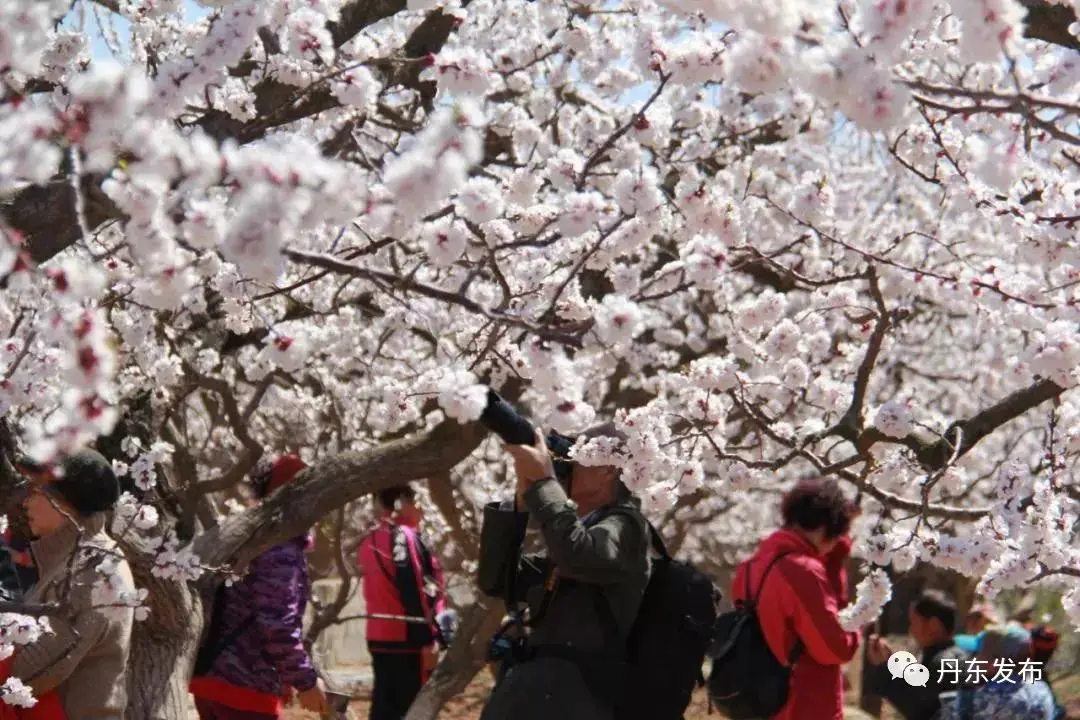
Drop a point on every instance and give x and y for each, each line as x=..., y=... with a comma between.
x=269, y=655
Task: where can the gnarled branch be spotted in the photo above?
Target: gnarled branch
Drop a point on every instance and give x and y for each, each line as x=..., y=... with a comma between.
x=330, y=484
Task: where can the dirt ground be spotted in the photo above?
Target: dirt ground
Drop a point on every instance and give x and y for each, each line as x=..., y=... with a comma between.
x=467, y=706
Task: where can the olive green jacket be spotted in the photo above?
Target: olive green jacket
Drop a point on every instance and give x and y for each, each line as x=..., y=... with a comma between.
x=605, y=555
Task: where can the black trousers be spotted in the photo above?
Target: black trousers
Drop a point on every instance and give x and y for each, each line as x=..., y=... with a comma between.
x=398, y=679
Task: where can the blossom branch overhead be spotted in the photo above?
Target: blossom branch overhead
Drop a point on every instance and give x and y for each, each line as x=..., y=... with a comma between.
x=826, y=240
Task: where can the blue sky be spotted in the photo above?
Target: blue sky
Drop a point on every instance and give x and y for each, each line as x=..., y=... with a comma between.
x=98, y=46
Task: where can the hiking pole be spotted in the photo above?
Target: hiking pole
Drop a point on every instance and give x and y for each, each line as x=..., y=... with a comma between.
x=383, y=616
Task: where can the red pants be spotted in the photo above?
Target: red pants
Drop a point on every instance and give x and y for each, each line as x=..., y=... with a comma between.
x=210, y=710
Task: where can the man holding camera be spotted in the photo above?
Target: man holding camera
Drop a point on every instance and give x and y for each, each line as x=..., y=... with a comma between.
x=582, y=595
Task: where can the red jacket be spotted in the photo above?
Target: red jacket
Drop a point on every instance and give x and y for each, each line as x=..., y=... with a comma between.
x=801, y=599
x=48, y=706
x=400, y=577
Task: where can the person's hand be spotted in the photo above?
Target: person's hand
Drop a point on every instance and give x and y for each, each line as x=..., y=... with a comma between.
x=531, y=462
x=877, y=650
x=313, y=700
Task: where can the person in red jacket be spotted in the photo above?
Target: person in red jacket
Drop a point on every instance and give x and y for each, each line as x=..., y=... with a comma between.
x=803, y=594
x=401, y=579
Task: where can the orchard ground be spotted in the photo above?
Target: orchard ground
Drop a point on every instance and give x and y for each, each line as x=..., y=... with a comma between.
x=467, y=705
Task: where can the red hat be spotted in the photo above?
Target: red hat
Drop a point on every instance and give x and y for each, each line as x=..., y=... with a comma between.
x=1044, y=638
x=272, y=473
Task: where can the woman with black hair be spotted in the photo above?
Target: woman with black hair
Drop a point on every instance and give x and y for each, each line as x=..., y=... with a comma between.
x=797, y=575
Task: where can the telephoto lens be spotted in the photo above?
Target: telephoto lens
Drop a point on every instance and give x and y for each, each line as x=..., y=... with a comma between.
x=502, y=419
x=506, y=422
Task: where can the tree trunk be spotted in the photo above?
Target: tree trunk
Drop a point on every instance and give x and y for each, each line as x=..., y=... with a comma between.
x=868, y=701
x=466, y=657
x=163, y=651
x=965, y=598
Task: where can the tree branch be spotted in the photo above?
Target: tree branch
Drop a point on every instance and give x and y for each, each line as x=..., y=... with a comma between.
x=229, y=404
x=384, y=279
x=34, y=609
x=1050, y=22
x=935, y=455
x=852, y=421
x=326, y=616
x=441, y=488
x=599, y=154
x=331, y=484
x=45, y=214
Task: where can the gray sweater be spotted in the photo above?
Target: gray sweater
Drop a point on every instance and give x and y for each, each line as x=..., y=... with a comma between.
x=85, y=657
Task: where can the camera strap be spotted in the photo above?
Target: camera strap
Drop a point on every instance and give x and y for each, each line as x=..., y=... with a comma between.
x=513, y=567
x=550, y=586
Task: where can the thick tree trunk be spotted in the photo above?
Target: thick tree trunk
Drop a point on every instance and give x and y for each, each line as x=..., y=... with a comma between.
x=163, y=650
x=466, y=657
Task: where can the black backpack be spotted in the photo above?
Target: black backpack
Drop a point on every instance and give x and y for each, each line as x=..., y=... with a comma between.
x=213, y=643
x=747, y=680
x=665, y=650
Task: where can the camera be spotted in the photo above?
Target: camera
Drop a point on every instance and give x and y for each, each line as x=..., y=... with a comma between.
x=510, y=642
x=502, y=419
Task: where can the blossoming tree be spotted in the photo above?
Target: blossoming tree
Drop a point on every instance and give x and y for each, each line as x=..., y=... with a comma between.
x=768, y=239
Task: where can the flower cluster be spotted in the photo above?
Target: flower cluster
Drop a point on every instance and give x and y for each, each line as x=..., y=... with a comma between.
x=871, y=595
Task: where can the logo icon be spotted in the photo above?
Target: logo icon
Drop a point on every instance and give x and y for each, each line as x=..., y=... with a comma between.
x=916, y=675
x=903, y=664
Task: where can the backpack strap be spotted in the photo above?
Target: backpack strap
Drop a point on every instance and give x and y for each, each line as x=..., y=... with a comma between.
x=550, y=586
x=208, y=654
x=613, y=636
x=752, y=601
x=761, y=585
x=657, y=541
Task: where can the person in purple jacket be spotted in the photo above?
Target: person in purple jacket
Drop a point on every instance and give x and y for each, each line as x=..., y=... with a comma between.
x=253, y=656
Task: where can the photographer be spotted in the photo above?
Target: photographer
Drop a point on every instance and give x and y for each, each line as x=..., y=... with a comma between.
x=582, y=594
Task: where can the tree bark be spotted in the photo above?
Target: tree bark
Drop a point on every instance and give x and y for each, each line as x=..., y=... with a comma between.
x=164, y=646
x=324, y=617
x=163, y=650
x=331, y=484
x=466, y=657
x=441, y=488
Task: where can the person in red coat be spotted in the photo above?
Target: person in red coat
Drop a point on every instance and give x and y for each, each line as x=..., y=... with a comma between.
x=803, y=594
x=401, y=578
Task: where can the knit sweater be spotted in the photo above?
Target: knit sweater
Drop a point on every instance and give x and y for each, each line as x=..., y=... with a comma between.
x=85, y=656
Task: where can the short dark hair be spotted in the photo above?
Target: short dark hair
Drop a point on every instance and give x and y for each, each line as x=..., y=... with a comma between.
x=87, y=483
x=818, y=503
x=389, y=497
x=936, y=604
